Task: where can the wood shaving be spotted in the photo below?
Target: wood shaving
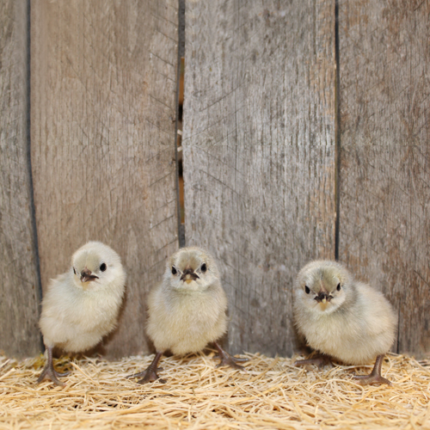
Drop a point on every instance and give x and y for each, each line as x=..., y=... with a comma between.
x=270, y=394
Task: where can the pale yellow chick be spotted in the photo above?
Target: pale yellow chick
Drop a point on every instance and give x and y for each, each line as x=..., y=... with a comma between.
x=81, y=306
x=343, y=318
x=187, y=310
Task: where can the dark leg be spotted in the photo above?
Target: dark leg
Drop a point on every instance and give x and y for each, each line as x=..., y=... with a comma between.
x=50, y=373
x=150, y=374
x=228, y=360
x=320, y=360
x=375, y=376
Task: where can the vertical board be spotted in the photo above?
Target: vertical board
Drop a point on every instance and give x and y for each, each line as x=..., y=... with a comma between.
x=19, y=335
x=385, y=156
x=103, y=114
x=259, y=153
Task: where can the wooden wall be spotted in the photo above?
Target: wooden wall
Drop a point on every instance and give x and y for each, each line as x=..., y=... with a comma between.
x=19, y=282
x=259, y=153
x=267, y=129
x=103, y=108
x=302, y=139
x=385, y=155
x=103, y=140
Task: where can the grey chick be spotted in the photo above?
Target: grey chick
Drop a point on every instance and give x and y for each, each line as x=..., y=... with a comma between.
x=81, y=306
x=343, y=318
x=187, y=310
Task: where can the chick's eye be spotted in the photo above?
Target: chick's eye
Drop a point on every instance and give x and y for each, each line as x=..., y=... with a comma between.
x=307, y=289
x=74, y=271
x=204, y=268
x=338, y=287
x=103, y=267
x=174, y=271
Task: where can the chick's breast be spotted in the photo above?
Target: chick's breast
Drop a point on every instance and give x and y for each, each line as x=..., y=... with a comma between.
x=76, y=320
x=356, y=333
x=184, y=322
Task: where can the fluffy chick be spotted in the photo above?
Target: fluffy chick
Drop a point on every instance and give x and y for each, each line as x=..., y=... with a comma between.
x=187, y=310
x=343, y=318
x=81, y=306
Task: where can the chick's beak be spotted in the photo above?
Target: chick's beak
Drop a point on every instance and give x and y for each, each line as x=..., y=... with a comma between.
x=87, y=276
x=323, y=299
x=188, y=276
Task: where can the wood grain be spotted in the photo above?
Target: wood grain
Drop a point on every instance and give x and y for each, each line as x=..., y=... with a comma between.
x=104, y=80
x=385, y=156
x=19, y=334
x=259, y=153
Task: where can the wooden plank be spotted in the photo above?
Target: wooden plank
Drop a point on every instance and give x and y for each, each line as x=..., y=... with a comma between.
x=19, y=335
x=259, y=153
x=104, y=80
x=385, y=156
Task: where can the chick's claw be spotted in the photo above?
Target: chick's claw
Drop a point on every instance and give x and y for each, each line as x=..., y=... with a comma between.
x=320, y=361
x=372, y=379
x=229, y=360
x=375, y=376
x=51, y=374
x=148, y=375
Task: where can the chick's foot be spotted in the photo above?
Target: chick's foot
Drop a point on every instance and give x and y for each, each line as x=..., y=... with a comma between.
x=375, y=376
x=150, y=374
x=320, y=361
x=229, y=360
x=50, y=373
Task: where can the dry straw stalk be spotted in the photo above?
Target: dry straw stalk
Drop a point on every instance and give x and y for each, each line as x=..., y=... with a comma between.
x=271, y=394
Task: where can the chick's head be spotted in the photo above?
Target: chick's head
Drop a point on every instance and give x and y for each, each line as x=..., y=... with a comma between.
x=191, y=269
x=97, y=266
x=322, y=286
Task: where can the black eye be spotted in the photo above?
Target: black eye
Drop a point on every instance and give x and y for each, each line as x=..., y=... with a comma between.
x=204, y=268
x=307, y=289
x=174, y=271
x=103, y=267
x=74, y=271
x=338, y=287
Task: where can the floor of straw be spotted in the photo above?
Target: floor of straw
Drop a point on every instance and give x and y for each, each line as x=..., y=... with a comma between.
x=270, y=394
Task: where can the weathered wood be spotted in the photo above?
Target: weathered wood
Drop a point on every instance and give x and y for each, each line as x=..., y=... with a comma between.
x=259, y=153
x=104, y=77
x=19, y=335
x=385, y=156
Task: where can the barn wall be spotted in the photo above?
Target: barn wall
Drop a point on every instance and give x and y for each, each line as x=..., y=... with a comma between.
x=385, y=157
x=287, y=118
x=259, y=153
x=103, y=108
x=266, y=128
x=19, y=285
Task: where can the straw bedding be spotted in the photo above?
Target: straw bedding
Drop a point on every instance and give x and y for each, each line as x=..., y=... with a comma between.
x=271, y=394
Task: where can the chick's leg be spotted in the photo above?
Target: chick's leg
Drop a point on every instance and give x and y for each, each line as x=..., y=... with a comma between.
x=320, y=360
x=150, y=374
x=50, y=373
x=375, y=376
x=228, y=360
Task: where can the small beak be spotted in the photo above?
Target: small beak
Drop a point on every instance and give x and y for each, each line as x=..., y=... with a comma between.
x=323, y=297
x=188, y=276
x=87, y=276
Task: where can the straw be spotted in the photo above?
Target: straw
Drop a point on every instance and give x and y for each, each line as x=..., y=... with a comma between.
x=270, y=394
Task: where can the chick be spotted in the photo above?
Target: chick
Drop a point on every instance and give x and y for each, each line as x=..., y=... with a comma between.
x=343, y=318
x=81, y=306
x=187, y=310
